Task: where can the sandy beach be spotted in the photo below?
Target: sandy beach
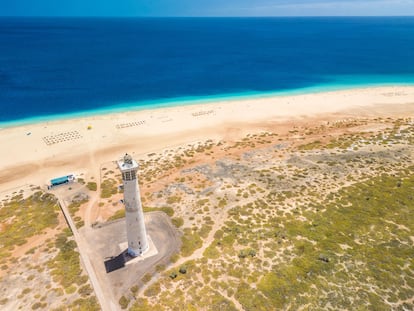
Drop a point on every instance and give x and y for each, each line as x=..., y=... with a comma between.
x=32, y=154
x=206, y=156
x=292, y=183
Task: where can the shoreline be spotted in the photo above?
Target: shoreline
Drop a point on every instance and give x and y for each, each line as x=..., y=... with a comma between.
x=184, y=101
x=35, y=153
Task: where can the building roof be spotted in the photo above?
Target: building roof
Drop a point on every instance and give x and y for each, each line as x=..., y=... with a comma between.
x=127, y=163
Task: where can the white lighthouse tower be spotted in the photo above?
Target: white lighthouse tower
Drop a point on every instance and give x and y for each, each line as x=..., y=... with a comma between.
x=136, y=233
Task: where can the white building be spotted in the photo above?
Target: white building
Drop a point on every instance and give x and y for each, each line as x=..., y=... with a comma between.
x=136, y=233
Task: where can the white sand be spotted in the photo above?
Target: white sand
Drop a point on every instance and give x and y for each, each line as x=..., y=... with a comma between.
x=35, y=158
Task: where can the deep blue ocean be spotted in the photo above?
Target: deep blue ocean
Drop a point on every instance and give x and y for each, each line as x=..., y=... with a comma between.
x=53, y=67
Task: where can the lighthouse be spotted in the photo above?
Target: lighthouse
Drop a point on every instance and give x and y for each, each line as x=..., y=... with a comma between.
x=135, y=225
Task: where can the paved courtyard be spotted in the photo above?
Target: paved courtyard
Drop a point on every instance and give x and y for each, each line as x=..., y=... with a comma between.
x=116, y=271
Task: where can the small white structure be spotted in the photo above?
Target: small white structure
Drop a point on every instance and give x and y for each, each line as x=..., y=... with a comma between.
x=136, y=233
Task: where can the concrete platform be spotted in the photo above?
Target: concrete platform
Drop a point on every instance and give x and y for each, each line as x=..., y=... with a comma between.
x=114, y=266
x=151, y=251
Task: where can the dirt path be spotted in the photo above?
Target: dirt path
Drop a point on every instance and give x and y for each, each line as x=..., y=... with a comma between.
x=94, y=195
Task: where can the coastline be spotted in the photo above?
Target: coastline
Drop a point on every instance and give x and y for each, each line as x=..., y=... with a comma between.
x=39, y=151
x=275, y=161
x=342, y=84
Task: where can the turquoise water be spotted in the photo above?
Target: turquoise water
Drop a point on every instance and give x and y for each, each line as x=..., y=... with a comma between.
x=64, y=68
x=347, y=83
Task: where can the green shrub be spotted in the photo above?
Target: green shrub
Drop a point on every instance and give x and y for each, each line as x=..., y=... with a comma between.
x=166, y=209
x=123, y=302
x=85, y=304
x=153, y=290
x=85, y=290
x=177, y=222
x=92, y=186
x=146, y=278
x=118, y=215
x=173, y=199
x=190, y=242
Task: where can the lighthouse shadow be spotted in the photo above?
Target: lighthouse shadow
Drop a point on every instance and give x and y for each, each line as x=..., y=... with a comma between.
x=117, y=262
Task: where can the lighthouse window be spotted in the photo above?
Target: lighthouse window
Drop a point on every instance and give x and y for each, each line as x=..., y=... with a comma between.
x=127, y=176
x=131, y=175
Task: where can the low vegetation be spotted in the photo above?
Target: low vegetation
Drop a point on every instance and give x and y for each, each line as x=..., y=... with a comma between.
x=22, y=218
x=75, y=203
x=92, y=186
x=49, y=271
x=65, y=267
x=109, y=187
x=322, y=221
